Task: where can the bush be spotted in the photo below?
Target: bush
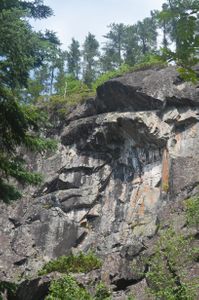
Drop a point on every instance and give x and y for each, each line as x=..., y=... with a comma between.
x=109, y=75
x=67, y=288
x=147, y=62
x=81, y=263
x=102, y=292
x=70, y=94
x=192, y=211
x=8, y=287
x=166, y=275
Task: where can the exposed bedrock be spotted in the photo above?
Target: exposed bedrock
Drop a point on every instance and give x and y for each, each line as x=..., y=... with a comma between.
x=122, y=158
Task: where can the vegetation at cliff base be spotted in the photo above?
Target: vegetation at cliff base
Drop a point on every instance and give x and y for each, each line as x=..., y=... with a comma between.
x=7, y=288
x=168, y=275
x=66, y=288
x=192, y=211
x=167, y=278
x=80, y=263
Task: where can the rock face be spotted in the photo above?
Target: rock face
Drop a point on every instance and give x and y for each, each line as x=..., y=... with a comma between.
x=122, y=159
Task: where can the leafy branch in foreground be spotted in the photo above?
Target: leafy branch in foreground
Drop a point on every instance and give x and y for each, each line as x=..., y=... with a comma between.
x=21, y=50
x=180, y=20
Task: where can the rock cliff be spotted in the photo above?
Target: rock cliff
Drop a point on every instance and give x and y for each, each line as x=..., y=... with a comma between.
x=124, y=162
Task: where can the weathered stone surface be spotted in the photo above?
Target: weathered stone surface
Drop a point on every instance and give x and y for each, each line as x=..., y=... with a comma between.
x=119, y=165
x=146, y=90
x=36, y=289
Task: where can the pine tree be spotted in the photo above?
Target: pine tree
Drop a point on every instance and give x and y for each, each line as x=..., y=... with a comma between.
x=115, y=37
x=44, y=77
x=90, y=59
x=33, y=9
x=108, y=60
x=132, y=50
x=73, y=57
x=164, y=23
x=147, y=35
x=19, y=53
x=182, y=17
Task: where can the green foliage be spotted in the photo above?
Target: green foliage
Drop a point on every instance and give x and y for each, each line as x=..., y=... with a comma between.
x=9, y=287
x=131, y=297
x=39, y=144
x=33, y=9
x=148, y=61
x=166, y=276
x=8, y=192
x=147, y=35
x=102, y=292
x=20, y=52
x=73, y=59
x=72, y=92
x=131, y=46
x=116, y=38
x=109, y=75
x=67, y=288
x=180, y=21
x=165, y=187
x=90, y=56
x=192, y=211
x=79, y=263
x=187, y=74
x=15, y=168
x=72, y=88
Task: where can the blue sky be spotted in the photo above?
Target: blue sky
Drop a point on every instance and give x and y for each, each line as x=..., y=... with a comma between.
x=75, y=18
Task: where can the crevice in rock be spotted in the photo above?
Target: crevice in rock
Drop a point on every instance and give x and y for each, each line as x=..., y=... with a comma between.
x=84, y=169
x=70, y=196
x=20, y=262
x=105, y=182
x=32, y=219
x=80, y=239
x=196, y=236
x=180, y=102
x=122, y=284
x=77, y=207
x=190, y=188
x=57, y=185
x=15, y=222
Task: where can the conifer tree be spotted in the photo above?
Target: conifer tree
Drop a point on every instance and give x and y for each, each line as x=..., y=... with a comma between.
x=183, y=17
x=19, y=53
x=73, y=57
x=147, y=35
x=115, y=43
x=90, y=58
x=132, y=50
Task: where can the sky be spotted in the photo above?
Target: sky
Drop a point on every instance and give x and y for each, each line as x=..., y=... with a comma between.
x=75, y=18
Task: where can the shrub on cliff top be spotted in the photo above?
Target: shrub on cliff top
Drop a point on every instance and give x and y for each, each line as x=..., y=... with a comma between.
x=148, y=61
x=80, y=263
